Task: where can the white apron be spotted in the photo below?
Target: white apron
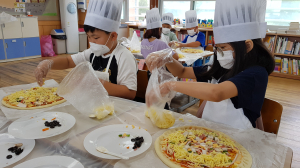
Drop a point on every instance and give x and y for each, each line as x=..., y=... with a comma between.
x=165, y=38
x=193, y=39
x=105, y=75
x=224, y=112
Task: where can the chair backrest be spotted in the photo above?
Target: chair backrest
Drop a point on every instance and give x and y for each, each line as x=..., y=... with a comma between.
x=209, y=48
x=142, y=82
x=271, y=115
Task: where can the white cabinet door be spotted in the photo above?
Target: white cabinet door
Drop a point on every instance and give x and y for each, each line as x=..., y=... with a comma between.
x=1, y=37
x=12, y=30
x=30, y=27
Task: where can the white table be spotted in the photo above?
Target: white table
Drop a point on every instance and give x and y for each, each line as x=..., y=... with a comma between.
x=70, y=143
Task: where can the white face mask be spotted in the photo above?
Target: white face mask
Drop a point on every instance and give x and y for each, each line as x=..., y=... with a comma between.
x=191, y=32
x=227, y=60
x=99, y=49
x=166, y=30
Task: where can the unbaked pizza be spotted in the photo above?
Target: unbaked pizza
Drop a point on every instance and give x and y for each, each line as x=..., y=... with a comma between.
x=193, y=51
x=199, y=147
x=34, y=98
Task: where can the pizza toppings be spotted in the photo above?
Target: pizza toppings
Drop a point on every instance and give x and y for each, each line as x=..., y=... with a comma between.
x=54, y=123
x=137, y=142
x=15, y=149
x=199, y=148
x=124, y=135
x=33, y=97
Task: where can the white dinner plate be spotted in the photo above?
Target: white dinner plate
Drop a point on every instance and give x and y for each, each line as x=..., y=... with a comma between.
x=51, y=162
x=31, y=127
x=108, y=137
x=7, y=141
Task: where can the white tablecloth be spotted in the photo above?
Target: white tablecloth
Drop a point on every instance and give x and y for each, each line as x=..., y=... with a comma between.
x=265, y=151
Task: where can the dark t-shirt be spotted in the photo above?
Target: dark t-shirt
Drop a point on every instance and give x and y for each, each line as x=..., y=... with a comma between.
x=251, y=85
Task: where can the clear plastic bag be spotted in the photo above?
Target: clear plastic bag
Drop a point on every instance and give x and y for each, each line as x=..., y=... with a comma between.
x=125, y=42
x=84, y=91
x=135, y=44
x=159, y=116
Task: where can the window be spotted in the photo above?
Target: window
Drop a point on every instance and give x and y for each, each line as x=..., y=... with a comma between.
x=178, y=8
x=137, y=9
x=205, y=9
x=282, y=12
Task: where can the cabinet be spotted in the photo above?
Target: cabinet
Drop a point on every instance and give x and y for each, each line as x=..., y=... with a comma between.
x=21, y=39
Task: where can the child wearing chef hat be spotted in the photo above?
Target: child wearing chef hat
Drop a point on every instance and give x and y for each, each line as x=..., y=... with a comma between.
x=167, y=20
x=114, y=65
x=195, y=39
x=238, y=78
x=152, y=42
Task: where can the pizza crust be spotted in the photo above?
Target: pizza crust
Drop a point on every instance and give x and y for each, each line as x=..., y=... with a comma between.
x=32, y=108
x=244, y=156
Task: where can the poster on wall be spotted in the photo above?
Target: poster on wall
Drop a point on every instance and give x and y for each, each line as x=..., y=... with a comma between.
x=42, y=8
x=19, y=7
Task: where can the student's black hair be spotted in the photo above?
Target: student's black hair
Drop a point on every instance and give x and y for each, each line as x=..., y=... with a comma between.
x=153, y=33
x=258, y=56
x=92, y=29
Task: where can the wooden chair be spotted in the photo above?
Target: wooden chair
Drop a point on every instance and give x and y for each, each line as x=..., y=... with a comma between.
x=142, y=82
x=209, y=48
x=271, y=115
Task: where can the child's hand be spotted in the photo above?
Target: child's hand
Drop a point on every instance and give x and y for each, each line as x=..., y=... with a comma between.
x=159, y=58
x=42, y=70
x=164, y=89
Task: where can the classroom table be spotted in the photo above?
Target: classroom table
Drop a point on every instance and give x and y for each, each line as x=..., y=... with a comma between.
x=129, y=112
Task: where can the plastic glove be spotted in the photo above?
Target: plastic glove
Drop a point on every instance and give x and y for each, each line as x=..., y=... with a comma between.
x=159, y=58
x=164, y=89
x=42, y=70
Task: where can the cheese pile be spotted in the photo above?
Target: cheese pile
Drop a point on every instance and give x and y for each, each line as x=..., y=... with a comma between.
x=162, y=119
x=135, y=51
x=181, y=56
x=103, y=111
x=177, y=143
x=190, y=50
x=38, y=95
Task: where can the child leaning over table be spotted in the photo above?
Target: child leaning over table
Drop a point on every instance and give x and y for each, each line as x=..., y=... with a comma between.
x=114, y=65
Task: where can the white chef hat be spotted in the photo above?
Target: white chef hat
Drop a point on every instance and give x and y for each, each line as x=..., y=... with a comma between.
x=191, y=19
x=153, y=18
x=238, y=20
x=104, y=14
x=167, y=18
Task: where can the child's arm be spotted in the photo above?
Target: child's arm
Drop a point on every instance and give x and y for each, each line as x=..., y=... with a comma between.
x=192, y=44
x=60, y=63
x=118, y=90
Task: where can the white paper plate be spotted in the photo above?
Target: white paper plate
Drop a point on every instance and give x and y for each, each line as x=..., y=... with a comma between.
x=108, y=137
x=7, y=141
x=51, y=162
x=31, y=127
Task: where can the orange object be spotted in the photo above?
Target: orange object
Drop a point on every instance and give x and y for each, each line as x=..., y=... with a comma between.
x=45, y=129
x=53, y=118
x=127, y=147
x=31, y=117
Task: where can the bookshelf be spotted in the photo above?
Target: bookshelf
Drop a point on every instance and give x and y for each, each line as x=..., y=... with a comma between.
x=209, y=32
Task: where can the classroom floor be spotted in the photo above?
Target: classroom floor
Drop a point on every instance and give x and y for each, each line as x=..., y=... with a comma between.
x=285, y=91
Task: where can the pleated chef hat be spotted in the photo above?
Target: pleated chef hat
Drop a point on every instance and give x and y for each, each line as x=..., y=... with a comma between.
x=153, y=18
x=104, y=14
x=238, y=20
x=191, y=19
x=167, y=18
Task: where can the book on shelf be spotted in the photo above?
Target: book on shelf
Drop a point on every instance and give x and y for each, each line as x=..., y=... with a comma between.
x=284, y=46
x=269, y=42
x=287, y=66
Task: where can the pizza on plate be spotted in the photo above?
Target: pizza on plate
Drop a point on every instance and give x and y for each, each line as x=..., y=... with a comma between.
x=199, y=147
x=192, y=51
x=34, y=98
